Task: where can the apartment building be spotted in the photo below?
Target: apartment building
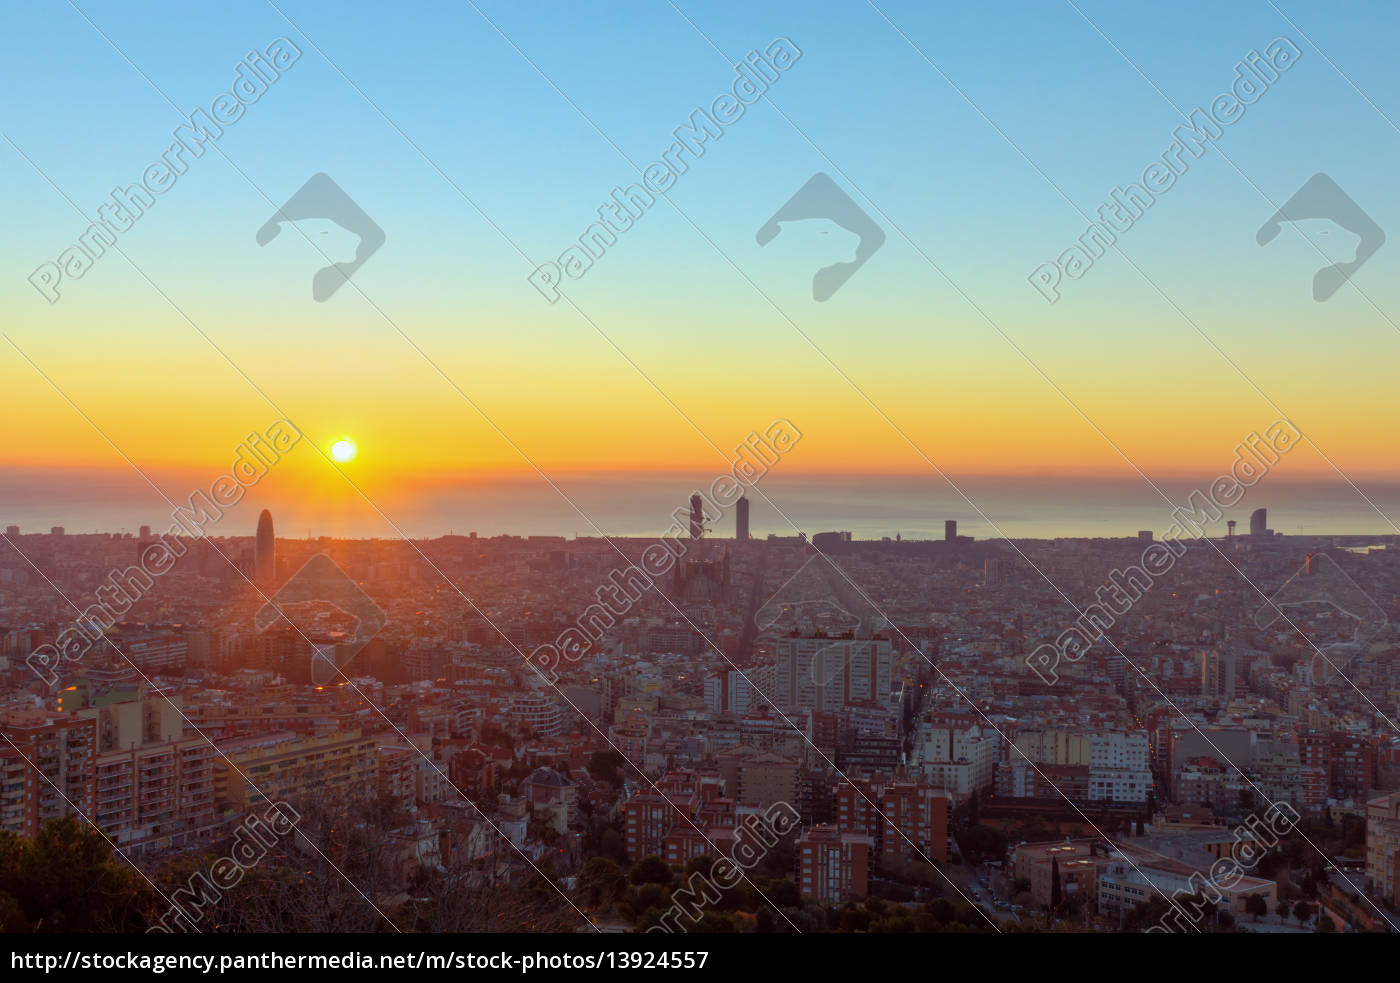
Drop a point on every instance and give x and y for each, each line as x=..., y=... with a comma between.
x=915, y=822
x=833, y=867
x=960, y=760
x=289, y=766
x=1383, y=845
x=759, y=778
x=1074, y=861
x=120, y=758
x=740, y=691
x=648, y=818
x=824, y=673
x=1119, y=767
x=46, y=768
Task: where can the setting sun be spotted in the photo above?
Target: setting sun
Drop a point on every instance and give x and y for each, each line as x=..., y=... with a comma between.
x=344, y=449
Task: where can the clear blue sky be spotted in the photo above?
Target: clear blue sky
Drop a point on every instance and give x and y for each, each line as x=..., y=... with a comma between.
x=895, y=134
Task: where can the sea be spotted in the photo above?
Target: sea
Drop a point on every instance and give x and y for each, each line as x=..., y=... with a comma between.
x=868, y=507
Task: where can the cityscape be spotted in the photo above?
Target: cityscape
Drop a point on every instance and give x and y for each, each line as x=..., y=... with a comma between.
x=561, y=486
x=706, y=732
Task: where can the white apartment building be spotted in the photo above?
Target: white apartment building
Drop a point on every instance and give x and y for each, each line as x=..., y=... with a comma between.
x=958, y=761
x=1119, y=767
x=817, y=673
x=740, y=692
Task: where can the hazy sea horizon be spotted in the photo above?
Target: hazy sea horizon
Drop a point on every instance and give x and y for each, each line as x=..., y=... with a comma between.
x=867, y=507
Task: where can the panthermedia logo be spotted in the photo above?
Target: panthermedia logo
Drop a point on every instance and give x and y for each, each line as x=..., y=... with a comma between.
x=320, y=197
x=321, y=580
x=821, y=198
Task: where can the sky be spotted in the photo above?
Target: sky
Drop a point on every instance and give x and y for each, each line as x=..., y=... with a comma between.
x=482, y=137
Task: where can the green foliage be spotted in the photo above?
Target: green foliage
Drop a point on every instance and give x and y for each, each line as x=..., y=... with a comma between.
x=700, y=864
x=942, y=911
x=602, y=883
x=783, y=893
x=604, y=765
x=1145, y=914
x=652, y=870
x=712, y=922
x=68, y=879
x=983, y=843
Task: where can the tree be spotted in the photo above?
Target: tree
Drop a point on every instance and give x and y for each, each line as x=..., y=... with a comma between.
x=980, y=842
x=68, y=879
x=783, y=893
x=1282, y=909
x=1302, y=911
x=713, y=922
x=1317, y=874
x=942, y=911
x=610, y=845
x=1324, y=925
x=602, y=882
x=641, y=901
x=698, y=864
x=604, y=765
x=858, y=920
x=1255, y=905
x=1202, y=910
x=1146, y=914
x=651, y=870
x=12, y=917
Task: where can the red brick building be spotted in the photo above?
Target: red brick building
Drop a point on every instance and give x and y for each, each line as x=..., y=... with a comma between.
x=833, y=867
x=915, y=822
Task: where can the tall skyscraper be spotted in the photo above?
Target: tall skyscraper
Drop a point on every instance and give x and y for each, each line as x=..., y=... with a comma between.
x=741, y=518
x=950, y=530
x=697, y=520
x=265, y=550
x=145, y=532
x=1259, y=522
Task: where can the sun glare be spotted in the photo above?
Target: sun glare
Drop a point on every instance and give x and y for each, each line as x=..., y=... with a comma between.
x=344, y=450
